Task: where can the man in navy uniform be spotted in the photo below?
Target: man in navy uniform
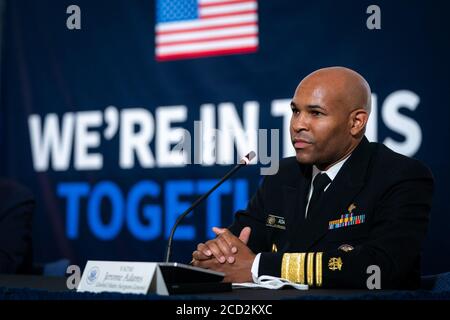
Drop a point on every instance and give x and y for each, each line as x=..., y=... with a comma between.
x=16, y=208
x=340, y=206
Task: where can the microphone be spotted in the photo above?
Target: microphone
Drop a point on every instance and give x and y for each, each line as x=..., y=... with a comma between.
x=243, y=162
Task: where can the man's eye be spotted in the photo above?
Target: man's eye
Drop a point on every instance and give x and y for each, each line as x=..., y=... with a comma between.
x=316, y=113
x=294, y=111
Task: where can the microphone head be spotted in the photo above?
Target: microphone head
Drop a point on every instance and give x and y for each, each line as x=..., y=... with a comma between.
x=249, y=157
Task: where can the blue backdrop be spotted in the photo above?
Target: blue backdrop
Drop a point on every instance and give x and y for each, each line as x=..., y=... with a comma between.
x=88, y=116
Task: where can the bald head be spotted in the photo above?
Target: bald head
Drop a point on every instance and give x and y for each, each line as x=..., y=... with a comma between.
x=330, y=110
x=342, y=85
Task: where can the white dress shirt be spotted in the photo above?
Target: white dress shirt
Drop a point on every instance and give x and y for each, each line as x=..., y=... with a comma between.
x=331, y=173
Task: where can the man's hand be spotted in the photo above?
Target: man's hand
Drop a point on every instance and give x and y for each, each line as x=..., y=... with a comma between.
x=239, y=269
x=222, y=247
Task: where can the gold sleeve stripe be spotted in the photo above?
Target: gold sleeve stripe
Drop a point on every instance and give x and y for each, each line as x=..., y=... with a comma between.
x=285, y=265
x=293, y=267
x=319, y=269
x=310, y=270
x=301, y=268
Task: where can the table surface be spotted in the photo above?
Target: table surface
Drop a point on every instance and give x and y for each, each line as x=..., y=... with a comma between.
x=58, y=284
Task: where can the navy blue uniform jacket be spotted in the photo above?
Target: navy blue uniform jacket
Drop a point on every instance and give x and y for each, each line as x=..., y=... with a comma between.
x=374, y=213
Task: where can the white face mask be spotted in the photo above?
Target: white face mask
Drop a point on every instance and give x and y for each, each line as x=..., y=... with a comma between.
x=269, y=282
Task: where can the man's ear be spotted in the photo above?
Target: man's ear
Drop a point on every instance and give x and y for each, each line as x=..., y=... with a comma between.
x=358, y=118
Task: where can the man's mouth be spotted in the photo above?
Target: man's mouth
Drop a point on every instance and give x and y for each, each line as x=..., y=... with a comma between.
x=301, y=144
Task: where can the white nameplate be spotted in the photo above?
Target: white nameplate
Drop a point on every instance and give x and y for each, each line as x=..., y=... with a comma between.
x=121, y=276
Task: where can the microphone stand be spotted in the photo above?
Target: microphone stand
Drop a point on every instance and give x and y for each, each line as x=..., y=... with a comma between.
x=244, y=161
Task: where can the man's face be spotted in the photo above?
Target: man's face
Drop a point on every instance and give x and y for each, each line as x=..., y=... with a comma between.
x=320, y=125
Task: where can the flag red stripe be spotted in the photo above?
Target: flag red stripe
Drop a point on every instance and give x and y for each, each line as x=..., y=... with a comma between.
x=171, y=43
x=207, y=5
x=219, y=15
x=206, y=53
x=244, y=24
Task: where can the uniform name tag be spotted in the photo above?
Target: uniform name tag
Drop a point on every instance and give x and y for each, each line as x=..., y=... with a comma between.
x=276, y=222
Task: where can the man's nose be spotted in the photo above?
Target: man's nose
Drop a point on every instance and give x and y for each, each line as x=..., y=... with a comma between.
x=299, y=122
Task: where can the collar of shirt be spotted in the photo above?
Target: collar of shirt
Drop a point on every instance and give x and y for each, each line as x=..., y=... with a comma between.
x=331, y=172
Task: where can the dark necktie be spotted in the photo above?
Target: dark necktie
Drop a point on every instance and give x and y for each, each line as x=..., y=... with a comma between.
x=321, y=180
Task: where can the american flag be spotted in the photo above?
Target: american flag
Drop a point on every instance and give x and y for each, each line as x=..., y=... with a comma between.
x=200, y=28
